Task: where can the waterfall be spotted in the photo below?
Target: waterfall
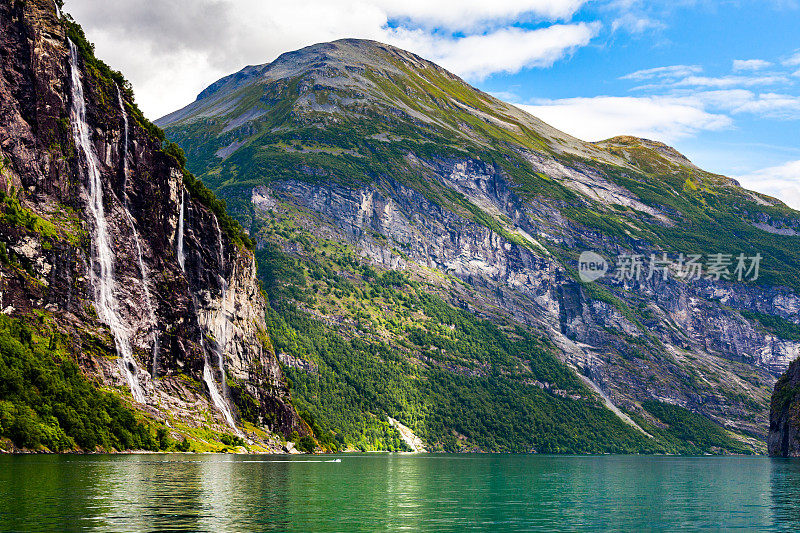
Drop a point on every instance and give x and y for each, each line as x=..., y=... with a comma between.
x=216, y=398
x=221, y=250
x=124, y=146
x=221, y=331
x=145, y=275
x=221, y=338
x=58, y=10
x=181, y=257
x=218, y=393
x=101, y=271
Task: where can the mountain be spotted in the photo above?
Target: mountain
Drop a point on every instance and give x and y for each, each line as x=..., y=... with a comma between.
x=419, y=240
x=131, y=313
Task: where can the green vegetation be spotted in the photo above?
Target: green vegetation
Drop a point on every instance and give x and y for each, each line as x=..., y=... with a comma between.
x=306, y=444
x=785, y=393
x=14, y=214
x=231, y=440
x=689, y=433
x=713, y=217
x=389, y=346
x=46, y=402
x=776, y=325
x=229, y=226
x=459, y=382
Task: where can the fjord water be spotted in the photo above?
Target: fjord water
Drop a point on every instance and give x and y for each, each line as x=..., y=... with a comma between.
x=379, y=492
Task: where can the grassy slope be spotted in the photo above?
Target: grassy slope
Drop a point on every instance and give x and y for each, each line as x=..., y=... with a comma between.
x=46, y=402
x=391, y=347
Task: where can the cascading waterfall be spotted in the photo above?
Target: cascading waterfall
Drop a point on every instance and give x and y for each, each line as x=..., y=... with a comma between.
x=124, y=146
x=216, y=398
x=218, y=395
x=221, y=332
x=221, y=250
x=145, y=275
x=101, y=270
x=181, y=256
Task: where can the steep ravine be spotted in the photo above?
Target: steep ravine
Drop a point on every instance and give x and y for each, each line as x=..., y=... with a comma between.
x=109, y=246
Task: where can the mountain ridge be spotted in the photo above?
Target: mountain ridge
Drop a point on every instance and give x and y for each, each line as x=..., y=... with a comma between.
x=316, y=51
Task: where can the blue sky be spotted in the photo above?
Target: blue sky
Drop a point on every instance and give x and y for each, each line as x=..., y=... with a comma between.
x=730, y=60
x=720, y=80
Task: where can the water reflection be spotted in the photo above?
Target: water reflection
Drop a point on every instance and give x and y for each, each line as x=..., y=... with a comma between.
x=785, y=492
x=396, y=492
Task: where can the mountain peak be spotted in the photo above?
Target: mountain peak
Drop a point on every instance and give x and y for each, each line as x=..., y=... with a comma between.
x=345, y=55
x=630, y=142
x=365, y=81
x=369, y=82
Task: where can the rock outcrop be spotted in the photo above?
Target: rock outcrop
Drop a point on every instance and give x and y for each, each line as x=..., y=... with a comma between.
x=784, y=417
x=180, y=277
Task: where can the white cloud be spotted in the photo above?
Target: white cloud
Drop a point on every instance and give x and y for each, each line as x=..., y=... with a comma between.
x=664, y=119
x=676, y=76
x=635, y=24
x=781, y=181
x=772, y=105
x=672, y=71
x=466, y=14
x=750, y=64
x=793, y=61
x=507, y=50
x=729, y=81
x=171, y=50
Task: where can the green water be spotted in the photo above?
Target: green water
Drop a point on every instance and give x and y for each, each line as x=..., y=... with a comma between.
x=380, y=492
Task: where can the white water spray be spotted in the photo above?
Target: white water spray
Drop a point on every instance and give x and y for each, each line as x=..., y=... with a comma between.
x=221, y=333
x=221, y=250
x=216, y=398
x=145, y=279
x=101, y=270
x=181, y=256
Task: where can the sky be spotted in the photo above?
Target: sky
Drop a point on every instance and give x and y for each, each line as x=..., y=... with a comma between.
x=717, y=79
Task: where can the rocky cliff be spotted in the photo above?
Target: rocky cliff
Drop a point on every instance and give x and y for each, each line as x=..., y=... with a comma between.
x=359, y=151
x=784, y=417
x=107, y=238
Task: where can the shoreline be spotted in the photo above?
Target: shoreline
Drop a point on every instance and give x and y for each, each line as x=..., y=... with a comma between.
x=382, y=452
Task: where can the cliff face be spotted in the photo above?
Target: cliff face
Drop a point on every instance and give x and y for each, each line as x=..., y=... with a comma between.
x=102, y=237
x=689, y=327
x=784, y=416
